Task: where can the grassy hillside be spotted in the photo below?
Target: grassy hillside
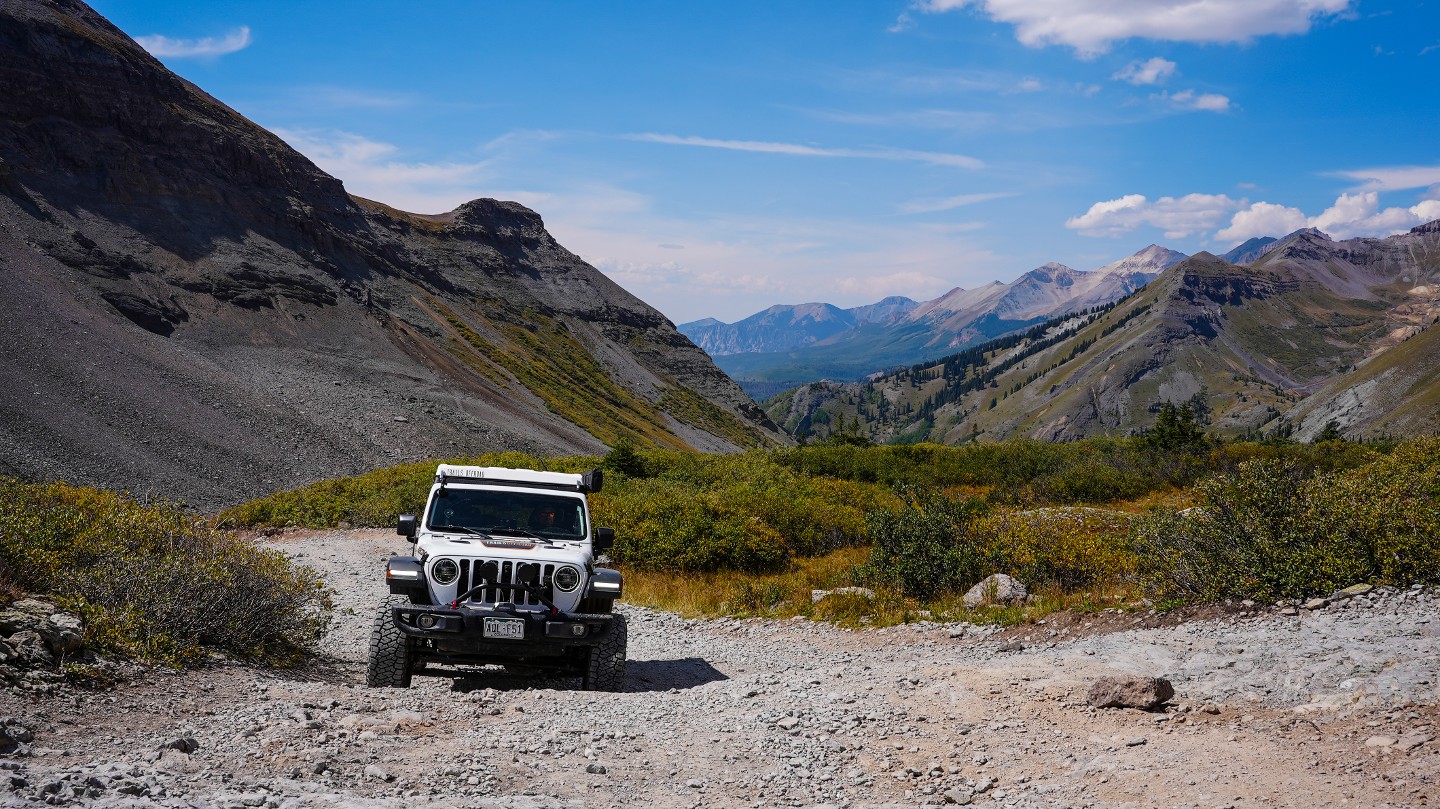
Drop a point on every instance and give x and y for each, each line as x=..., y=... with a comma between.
x=1240, y=346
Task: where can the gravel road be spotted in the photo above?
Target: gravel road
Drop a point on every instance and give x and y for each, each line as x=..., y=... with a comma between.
x=1327, y=708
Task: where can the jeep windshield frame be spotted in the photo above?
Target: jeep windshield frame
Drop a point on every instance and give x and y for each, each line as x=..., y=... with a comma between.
x=509, y=511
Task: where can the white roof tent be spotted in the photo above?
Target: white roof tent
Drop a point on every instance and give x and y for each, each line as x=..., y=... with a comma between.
x=588, y=483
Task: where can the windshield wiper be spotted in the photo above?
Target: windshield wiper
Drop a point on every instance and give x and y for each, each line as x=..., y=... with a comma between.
x=455, y=529
x=518, y=532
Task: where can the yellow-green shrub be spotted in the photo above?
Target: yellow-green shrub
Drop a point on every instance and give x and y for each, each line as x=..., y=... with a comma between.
x=1272, y=529
x=156, y=581
x=374, y=499
x=1071, y=547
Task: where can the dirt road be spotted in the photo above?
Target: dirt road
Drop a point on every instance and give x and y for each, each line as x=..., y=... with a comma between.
x=1331, y=708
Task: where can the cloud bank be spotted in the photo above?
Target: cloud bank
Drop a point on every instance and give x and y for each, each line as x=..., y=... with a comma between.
x=1202, y=215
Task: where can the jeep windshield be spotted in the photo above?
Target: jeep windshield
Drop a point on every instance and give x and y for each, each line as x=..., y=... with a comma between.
x=486, y=511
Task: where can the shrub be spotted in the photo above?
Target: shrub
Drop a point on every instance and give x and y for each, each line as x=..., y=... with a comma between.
x=740, y=512
x=155, y=581
x=374, y=499
x=924, y=548
x=1273, y=529
x=1067, y=547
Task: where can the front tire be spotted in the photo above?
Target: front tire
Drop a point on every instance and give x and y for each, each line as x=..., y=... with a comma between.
x=605, y=664
x=392, y=660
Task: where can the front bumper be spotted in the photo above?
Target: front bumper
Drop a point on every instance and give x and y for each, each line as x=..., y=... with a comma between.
x=458, y=635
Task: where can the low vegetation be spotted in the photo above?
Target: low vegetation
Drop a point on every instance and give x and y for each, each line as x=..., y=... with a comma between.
x=1091, y=522
x=154, y=581
x=904, y=530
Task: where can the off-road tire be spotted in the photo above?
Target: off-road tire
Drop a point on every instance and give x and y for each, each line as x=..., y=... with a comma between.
x=605, y=664
x=391, y=659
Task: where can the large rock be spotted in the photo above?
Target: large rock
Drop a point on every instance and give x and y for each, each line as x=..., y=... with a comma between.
x=30, y=648
x=63, y=633
x=997, y=589
x=1130, y=691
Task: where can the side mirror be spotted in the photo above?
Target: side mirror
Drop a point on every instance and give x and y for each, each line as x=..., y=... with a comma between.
x=604, y=539
x=592, y=481
x=406, y=526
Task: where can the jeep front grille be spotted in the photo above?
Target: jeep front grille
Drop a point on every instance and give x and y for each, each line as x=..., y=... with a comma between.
x=509, y=573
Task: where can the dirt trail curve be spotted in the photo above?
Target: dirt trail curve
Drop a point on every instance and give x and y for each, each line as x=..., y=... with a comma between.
x=1331, y=708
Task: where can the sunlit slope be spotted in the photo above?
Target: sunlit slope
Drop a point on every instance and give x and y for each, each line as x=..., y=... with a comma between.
x=1242, y=345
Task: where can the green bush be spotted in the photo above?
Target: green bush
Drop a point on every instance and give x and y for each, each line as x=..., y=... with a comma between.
x=737, y=512
x=156, y=582
x=1275, y=529
x=374, y=499
x=925, y=547
x=1068, y=547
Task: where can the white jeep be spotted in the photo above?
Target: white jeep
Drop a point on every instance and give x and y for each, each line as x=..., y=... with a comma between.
x=503, y=573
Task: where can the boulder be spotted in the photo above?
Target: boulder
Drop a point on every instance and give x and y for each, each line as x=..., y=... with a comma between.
x=63, y=633
x=13, y=620
x=996, y=589
x=1130, y=691
x=30, y=648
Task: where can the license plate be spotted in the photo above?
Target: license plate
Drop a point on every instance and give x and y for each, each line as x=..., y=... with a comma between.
x=508, y=628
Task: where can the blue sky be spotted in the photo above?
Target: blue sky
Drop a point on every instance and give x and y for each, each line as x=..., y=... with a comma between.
x=718, y=158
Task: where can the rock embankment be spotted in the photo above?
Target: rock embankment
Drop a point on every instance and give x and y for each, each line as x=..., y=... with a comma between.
x=37, y=638
x=1322, y=708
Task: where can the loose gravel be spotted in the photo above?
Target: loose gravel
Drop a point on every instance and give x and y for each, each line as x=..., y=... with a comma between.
x=1326, y=707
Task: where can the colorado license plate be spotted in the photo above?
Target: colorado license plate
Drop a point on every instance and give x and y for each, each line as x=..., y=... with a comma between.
x=508, y=628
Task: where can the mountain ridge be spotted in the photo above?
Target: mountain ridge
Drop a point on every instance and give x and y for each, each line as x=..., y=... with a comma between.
x=1305, y=335
x=958, y=318
x=200, y=312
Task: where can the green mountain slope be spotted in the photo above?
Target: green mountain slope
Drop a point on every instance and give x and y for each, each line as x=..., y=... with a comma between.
x=1243, y=345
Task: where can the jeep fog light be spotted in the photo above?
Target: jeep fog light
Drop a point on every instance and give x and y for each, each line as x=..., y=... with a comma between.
x=566, y=579
x=578, y=630
x=445, y=571
x=426, y=621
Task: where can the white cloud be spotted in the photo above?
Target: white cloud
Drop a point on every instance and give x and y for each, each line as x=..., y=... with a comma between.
x=933, y=158
x=1150, y=71
x=1360, y=215
x=1392, y=178
x=1090, y=26
x=163, y=46
x=1191, y=100
x=1178, y=217
x=1351, y=215
x=371, y=169
x=935, y=205
x=1262, y=219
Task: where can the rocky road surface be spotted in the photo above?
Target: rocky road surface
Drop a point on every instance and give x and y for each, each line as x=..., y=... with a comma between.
x=1333, y=707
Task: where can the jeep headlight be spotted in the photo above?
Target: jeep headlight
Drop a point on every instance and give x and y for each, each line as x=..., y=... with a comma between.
x=566, y=579
x=444, y=571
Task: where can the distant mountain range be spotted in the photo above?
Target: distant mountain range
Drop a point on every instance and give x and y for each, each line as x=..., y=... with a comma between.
x=786, y=328
x=785, y=346
x=193, y=310
x=1313, y=331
